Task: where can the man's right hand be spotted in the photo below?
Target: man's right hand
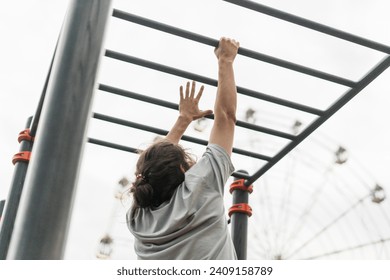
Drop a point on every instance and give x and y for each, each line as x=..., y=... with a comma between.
x=226, y=50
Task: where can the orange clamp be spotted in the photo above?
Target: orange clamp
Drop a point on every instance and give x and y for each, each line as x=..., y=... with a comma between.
x=25, y=135
x=240, y=208
x=21, y=156
x=240, y=185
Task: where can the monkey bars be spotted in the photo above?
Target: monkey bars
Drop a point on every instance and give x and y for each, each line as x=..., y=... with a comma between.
x=41, y=226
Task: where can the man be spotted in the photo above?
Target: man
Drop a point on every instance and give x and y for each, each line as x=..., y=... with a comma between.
x=178, y=210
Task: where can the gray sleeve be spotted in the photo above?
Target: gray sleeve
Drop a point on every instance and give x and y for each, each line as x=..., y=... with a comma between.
x=215, y=167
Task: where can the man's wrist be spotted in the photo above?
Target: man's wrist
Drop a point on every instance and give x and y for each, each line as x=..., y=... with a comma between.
x=185, y=119
x=178, y=129
x=223, y=61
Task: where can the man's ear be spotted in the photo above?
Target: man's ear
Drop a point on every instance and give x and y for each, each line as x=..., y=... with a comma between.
x=182, y=168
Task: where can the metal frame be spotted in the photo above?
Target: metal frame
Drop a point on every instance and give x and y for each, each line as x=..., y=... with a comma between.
x=322, y=115
x=41, y=226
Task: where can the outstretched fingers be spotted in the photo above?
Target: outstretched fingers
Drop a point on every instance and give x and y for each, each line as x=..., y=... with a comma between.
x=190, y=93
x=199, y=95
x=181, y=94
x=187, y=90
x=192, y=90
x=188, y=106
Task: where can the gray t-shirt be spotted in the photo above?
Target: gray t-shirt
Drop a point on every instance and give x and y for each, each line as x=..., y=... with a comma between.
x=192, y=224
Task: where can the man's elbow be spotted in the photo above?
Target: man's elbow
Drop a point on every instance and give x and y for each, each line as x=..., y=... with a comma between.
x=226, y=116
x=231, y=116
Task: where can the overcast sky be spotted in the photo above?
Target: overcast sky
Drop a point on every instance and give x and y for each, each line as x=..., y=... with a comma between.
x=29, y=30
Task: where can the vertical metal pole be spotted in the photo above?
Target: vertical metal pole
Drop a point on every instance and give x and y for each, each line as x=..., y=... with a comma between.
x=20, y=175
x=42, y=223
x=37, y=115
x=15, y=192
x=239, y=221
x=2, y=203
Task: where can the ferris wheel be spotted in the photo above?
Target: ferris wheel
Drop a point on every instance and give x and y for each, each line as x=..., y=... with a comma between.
x=320, y=202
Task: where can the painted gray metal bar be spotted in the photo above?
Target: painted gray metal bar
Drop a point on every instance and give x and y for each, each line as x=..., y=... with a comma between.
x=239, y=222
x=242, y=51
x=175, y=106
x=37, y=115
x=370, y=76
x=113, y=145
x=165, y=132
x=99, y=142
x=2, y=203
x=311, y=25
x=20, y=172
x=13, y=200
x=209, y=81
x=43, y=219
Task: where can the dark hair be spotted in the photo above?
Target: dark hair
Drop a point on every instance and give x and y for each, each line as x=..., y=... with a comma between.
x=158, y=173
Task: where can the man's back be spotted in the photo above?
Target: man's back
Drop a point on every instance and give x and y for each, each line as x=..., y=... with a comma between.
x=192, y=225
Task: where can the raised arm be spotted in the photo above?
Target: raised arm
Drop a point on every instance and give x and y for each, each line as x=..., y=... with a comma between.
x=189, y=111
x=225, y=106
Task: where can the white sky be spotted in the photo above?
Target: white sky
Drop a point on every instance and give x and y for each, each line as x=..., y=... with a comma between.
x=29, y=31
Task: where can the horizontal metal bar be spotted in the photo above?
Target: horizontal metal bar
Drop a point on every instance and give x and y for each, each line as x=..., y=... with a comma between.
x=242, y=51
x=373, y=74
x=113, y=145
x=164, y=27
x=209, y=81
x=266, y=130
x=296, y=67
x=165, y=132
x=137, y=151
x=311, y=25
x=137, y=96
x=174, y=106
